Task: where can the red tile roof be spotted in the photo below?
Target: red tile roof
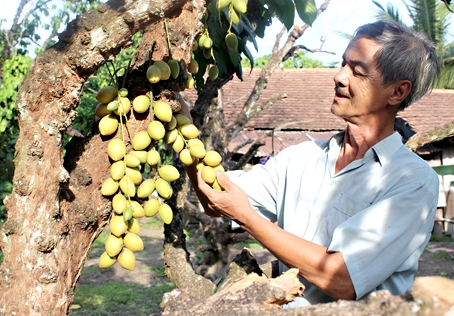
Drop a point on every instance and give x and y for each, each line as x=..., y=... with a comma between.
x=309, y=97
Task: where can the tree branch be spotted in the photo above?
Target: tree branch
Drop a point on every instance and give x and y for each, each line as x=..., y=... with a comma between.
x=423, y=138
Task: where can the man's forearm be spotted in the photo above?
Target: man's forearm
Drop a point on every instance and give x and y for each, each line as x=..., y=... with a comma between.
x=325, y=270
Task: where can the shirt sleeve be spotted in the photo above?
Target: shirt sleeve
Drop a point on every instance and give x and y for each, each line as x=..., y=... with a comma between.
x=389, y=235
x=260, y=185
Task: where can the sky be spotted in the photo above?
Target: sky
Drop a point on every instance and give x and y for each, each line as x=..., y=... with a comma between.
x=343, y=16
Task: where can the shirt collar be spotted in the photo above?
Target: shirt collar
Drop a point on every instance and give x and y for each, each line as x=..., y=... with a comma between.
x=383, y=150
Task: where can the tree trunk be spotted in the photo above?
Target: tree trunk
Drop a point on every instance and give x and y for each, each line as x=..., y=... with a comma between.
x=56, y=210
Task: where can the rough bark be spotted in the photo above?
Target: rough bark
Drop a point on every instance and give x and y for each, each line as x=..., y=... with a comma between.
x=423, y=138
x=247, y=290
x=55, y=211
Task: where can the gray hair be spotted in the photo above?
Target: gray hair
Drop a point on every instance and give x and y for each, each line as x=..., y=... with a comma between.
x=404, y=54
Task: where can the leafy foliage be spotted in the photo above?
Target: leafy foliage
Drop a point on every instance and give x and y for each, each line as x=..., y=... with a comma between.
x=14, y=71
x=220, y=20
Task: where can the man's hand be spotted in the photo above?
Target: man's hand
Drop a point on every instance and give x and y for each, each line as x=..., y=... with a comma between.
x=232, y=202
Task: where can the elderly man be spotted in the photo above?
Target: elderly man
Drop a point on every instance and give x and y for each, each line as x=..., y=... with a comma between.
x=354, y=213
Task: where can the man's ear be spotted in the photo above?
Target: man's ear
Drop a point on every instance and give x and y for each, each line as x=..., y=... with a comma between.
x=401, y=89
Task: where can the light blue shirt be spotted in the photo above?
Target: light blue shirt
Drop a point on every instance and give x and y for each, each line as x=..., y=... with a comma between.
x=378, y=211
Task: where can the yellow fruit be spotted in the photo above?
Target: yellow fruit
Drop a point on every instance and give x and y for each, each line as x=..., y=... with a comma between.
x=172, y=124
x=116, y=149
x=213, y=72
x=106, y=94
x=131, y=161
x=108, y=124
x=197, y=151
x=133, y=242
x=174, y=68
x=153, y=157
x=170, y=136
x=146, y=188
x=189, y=131
x=182, y=119
x=162, y=111
x=101, y=110
x=124, y=108
x=113, y=245
x=212, y=158
x=166, y=214
x=216, y=186
x=200, y=165
x=127, y=186
x=231, y=41
x=141, y=103
x=219, y=167
x=141, y=154
x=169, y=173
x=141, y=140
x=133, y=226
x=190, y=82
x=208, y=174
x=153, y=74
x=138, y=211
x=178, y=144
x=234, y=16
x=117, y=225
x=109, y=187
x=163, y=188
x=105, y=261
x=156, y=130
x=127, y=259
x=186, y=158
x=164, y=68
x=240, y=6
x=195, y=141
x=134, y=174
x=117, y=170
x=119, y=203
x=222, y=4
x=151, y=207
x=208, y=42
x=193, y=67
x=201, y=41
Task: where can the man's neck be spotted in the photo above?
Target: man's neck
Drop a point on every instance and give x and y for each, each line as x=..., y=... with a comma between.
x=357, y=141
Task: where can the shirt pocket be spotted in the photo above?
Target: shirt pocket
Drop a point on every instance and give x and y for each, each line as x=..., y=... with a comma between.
x=342, y=209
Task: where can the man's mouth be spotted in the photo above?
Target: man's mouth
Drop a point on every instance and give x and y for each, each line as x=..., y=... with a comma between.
x=342, y=93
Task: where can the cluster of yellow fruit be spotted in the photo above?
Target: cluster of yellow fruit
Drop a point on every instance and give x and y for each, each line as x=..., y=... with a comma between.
x=236, y=8
x=126, y=181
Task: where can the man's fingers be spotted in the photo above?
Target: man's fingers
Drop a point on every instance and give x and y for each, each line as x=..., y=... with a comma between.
x=203, y=186
x=223, y=179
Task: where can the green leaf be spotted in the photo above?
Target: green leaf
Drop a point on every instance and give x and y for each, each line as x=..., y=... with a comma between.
x=234, y=57
x=307, y=10
x=288, y=15
x=242, y=47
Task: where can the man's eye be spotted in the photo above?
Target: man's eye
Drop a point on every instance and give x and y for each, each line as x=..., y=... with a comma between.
x=356, y=72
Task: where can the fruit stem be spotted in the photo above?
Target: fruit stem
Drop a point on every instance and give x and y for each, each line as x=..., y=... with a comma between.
x=168, y=38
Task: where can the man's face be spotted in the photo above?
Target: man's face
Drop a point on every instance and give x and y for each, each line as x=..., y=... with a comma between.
x=359, y=93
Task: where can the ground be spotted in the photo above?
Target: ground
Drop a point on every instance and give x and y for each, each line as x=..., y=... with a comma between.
x=437, y=259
